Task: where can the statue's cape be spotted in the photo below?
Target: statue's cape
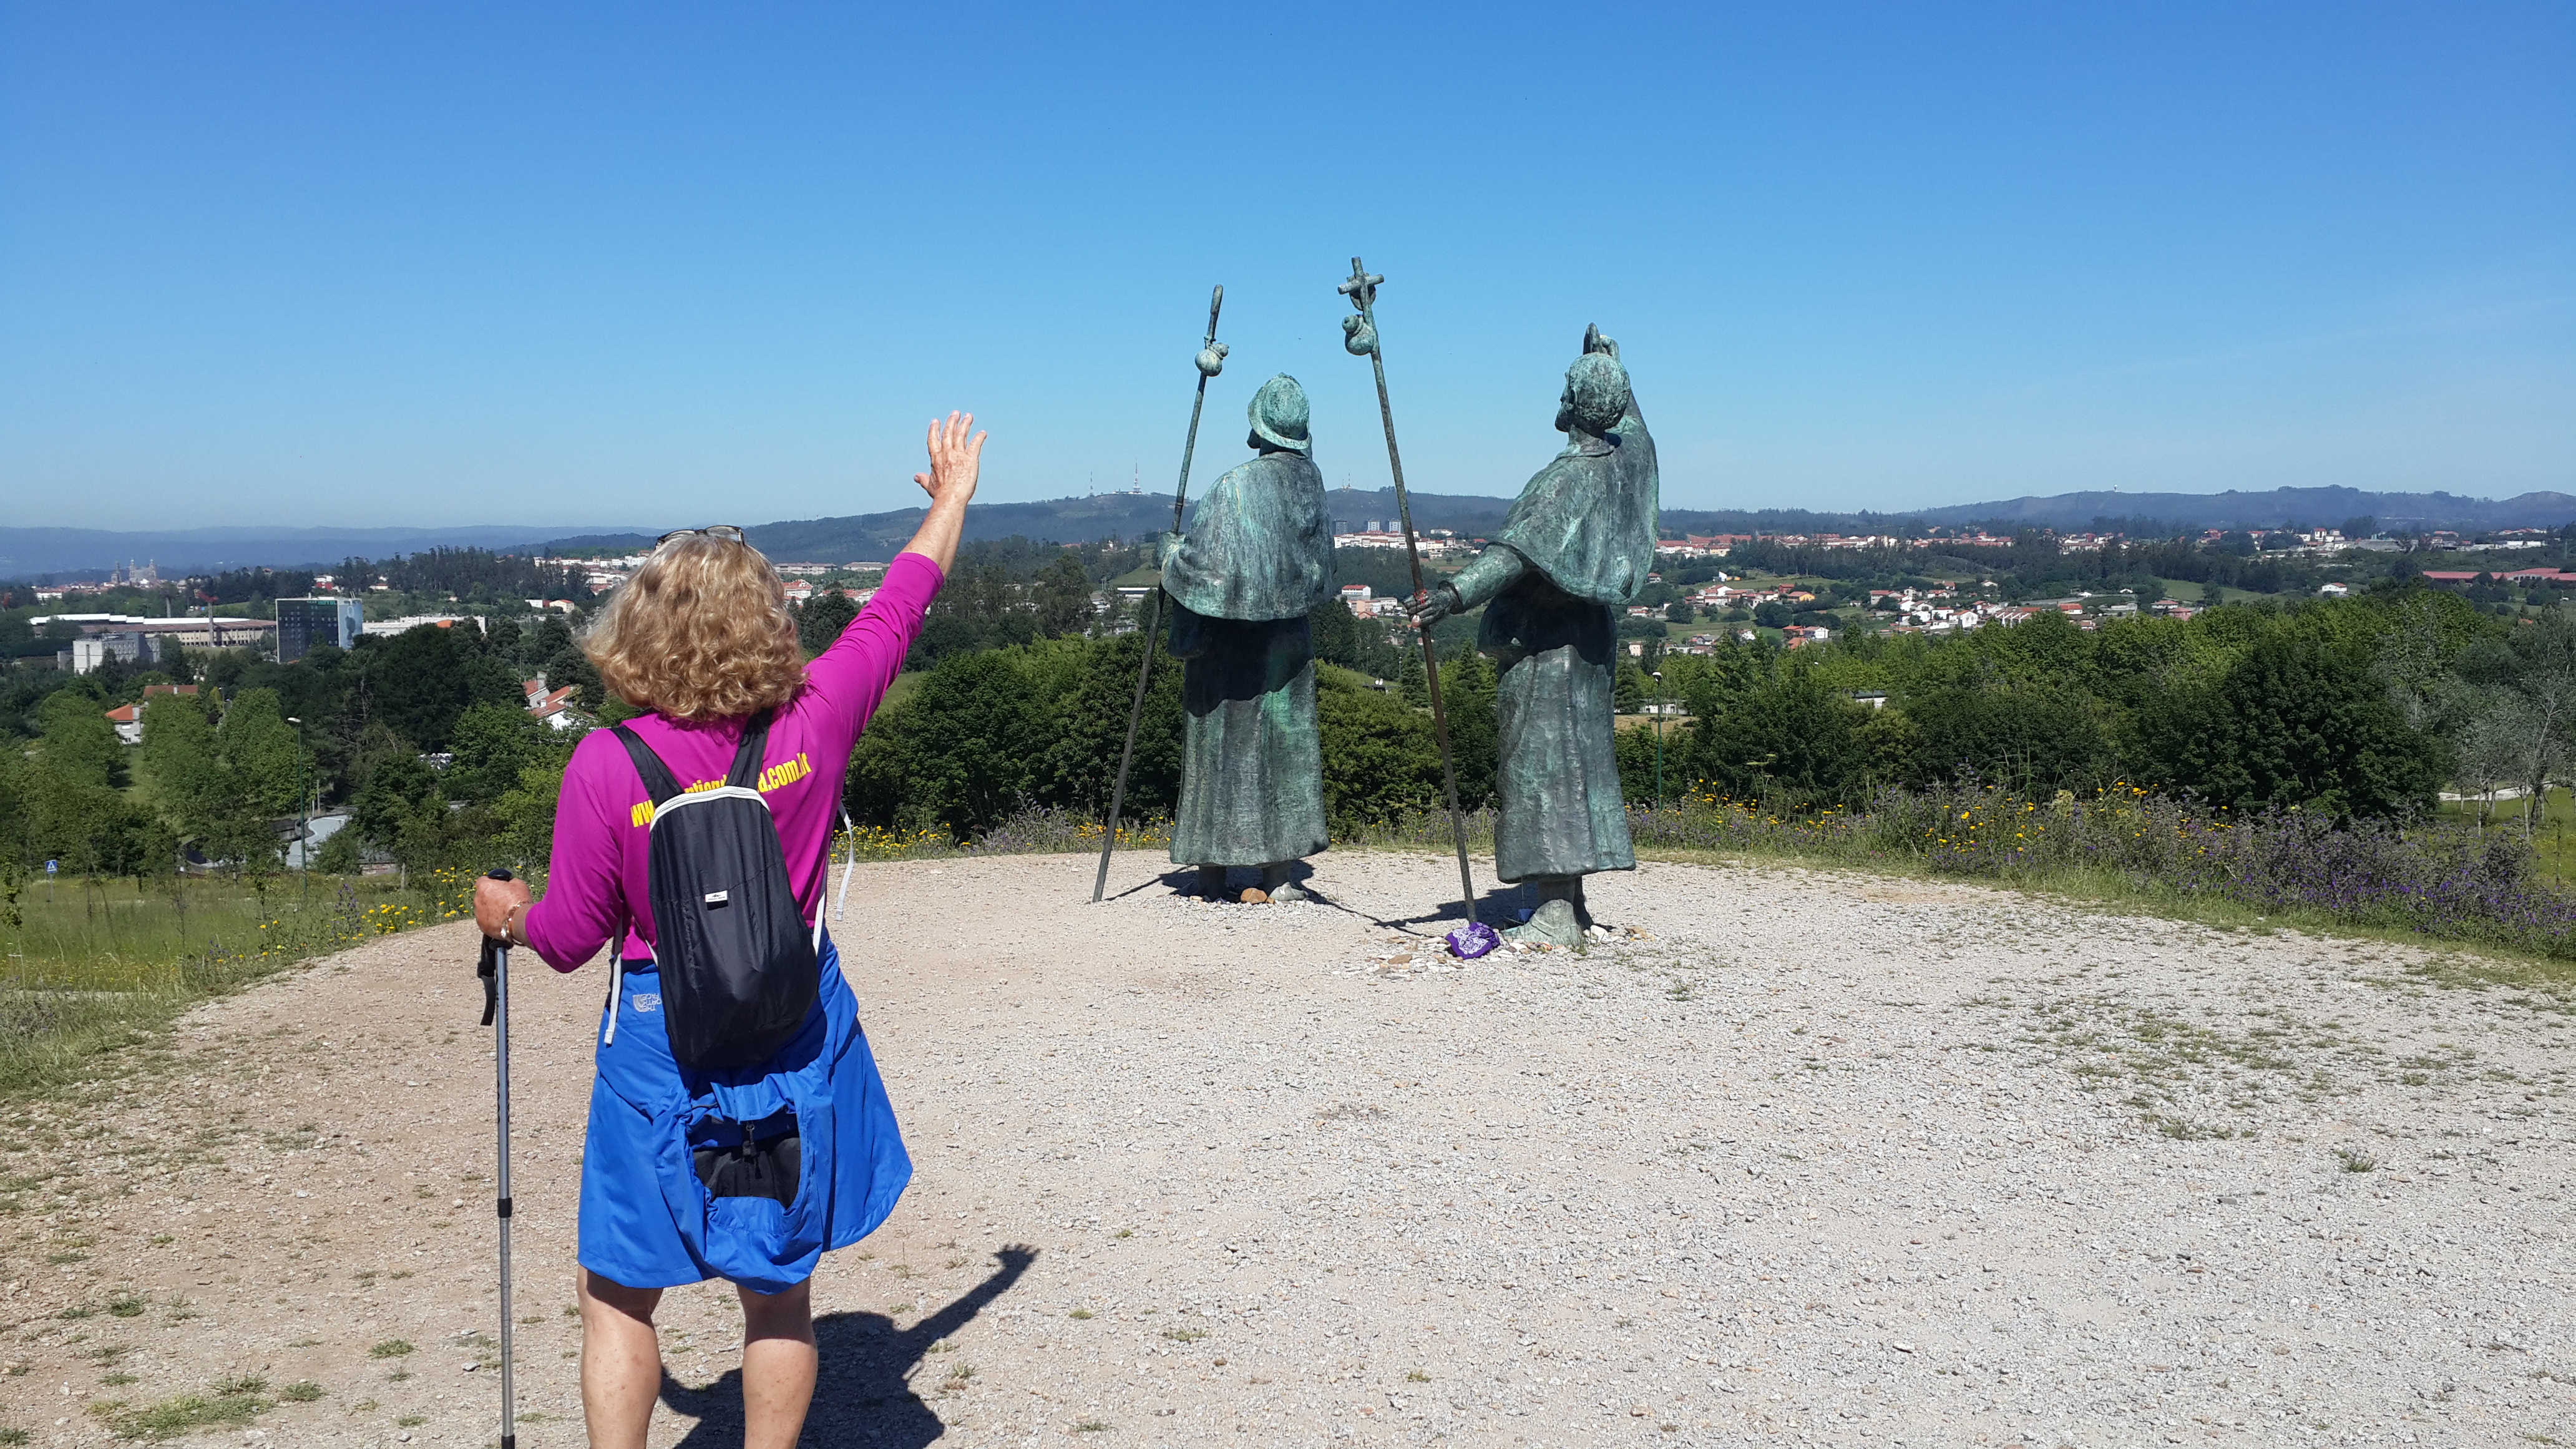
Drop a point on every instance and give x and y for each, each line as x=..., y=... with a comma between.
x=1259, y=545
x=1587, y=520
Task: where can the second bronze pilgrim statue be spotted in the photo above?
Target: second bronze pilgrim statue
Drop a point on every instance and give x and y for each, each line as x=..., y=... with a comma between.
x=1257, y=556
x=1575, y=548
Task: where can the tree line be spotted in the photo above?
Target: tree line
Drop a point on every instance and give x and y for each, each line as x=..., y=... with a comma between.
x=2357, y=708
x=424, y=737
x=2353, y=708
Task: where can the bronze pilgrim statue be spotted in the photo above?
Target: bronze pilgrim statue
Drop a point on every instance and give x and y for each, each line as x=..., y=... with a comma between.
x=1574, y=550
x=1257, y=556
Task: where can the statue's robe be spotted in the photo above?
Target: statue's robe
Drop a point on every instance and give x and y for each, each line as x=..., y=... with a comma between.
x=1574, y=550
x=1257, y=557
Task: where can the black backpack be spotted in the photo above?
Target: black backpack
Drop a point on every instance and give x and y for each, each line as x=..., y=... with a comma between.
x=739, y=973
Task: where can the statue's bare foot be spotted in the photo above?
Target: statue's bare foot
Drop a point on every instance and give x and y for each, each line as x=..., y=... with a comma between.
x=1280, y=881
x=1552, y=924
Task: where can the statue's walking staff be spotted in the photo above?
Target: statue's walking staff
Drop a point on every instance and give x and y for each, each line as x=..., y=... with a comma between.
x=1359, y=337
x=1211, y=361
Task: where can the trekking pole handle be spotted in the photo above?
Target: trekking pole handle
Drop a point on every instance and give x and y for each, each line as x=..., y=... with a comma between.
x=488, y=967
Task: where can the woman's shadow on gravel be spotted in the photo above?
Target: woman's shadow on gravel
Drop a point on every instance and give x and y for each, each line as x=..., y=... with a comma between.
x=863, y=1394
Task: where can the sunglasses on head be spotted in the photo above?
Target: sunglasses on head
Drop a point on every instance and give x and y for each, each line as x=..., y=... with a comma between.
x=717, y=530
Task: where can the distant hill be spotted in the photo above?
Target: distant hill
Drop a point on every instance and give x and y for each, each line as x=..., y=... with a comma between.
x=27, y=552
x=2315, y=507
x=877, y=536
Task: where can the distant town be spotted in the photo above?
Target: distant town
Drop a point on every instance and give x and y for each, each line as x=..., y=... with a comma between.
x=1792, y=588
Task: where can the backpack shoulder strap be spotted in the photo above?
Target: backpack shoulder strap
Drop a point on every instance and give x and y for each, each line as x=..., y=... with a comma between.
x=656, y=775
x=746, y=761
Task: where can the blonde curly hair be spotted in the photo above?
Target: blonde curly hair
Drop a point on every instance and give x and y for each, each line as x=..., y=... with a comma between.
x=700, y=632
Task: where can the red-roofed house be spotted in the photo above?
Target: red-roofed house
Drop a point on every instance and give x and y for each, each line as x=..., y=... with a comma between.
x=128, y=718
x=554, y=706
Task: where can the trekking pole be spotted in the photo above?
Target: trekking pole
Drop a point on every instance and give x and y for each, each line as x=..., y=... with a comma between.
x=1211, y=361
x=1359, y=337
x=494, y=970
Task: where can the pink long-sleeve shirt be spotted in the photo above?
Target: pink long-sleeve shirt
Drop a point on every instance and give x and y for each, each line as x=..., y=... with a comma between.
x=596, y=886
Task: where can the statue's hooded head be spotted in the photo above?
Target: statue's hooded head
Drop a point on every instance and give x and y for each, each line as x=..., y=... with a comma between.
x=1596, y=395
x=1279, y=416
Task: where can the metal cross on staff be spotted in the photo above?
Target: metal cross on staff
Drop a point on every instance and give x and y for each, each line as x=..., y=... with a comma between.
x=1211, y=361
x=1359, y=337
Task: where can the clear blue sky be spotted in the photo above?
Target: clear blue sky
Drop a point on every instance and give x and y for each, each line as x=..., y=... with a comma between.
x=659, y=264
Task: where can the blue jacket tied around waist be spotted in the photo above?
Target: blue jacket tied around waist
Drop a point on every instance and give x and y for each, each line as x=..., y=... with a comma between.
x=648, y=1219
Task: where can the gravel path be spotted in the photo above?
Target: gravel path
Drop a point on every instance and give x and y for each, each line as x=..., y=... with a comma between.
x=1789, y=1157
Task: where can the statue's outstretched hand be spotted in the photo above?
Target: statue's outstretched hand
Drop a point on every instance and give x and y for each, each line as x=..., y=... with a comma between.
x=1433, y=605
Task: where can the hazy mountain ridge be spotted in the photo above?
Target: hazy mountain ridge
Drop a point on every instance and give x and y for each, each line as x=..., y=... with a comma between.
x=2314, y=507
x=25, y=552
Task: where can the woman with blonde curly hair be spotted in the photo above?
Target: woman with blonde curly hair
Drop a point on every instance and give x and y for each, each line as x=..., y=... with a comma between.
x=749, y=1174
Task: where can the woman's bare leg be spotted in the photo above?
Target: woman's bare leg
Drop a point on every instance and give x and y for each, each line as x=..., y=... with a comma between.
x=621, y=1360
x=778, y=1365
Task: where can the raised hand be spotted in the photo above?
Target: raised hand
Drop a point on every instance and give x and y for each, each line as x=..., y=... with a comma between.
x=955, y=460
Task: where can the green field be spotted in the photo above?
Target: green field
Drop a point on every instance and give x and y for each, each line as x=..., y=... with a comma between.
x=2553, y=840
x=93, y=964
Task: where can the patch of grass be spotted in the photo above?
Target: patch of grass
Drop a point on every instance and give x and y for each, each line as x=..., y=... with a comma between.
x=1090, y=1426
x=1124, y=1233
x=77, y=1310
x=1079, y=1313
x=2355, y=1160
x=411, y=1421
x=1185, y=1335
x=302, y=1391
x=1416, y=1376
x=390, y=1348
x=235, y=1402
x=126, y=1305
x=117, y=1380
x=2182, y=1129
x=13, y=1437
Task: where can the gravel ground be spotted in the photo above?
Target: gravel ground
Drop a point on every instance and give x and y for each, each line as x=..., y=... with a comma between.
x=1783, y=1157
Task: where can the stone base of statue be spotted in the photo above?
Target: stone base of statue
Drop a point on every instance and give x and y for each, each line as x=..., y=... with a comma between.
x=1278, y=884
x=1561, y=918
x=1252, y=773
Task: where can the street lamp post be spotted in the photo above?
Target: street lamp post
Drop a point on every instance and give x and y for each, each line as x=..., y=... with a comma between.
x=1659, y=739
x=303, y=819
